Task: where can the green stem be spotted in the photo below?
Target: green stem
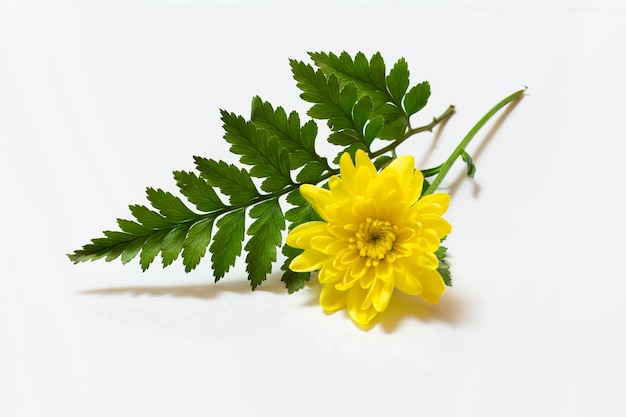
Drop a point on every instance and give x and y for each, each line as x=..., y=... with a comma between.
x=393, y=145
x=445, y=167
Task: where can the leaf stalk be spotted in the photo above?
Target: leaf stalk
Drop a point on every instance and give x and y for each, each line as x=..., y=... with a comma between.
x=429, y=127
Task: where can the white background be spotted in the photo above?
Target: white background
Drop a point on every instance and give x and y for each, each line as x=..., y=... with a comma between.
x=100, y=99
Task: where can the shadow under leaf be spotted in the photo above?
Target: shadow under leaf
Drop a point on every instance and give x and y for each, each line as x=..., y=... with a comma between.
x=203, y=291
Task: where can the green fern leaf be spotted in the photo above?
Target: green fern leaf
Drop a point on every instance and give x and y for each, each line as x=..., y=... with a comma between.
x=196, y=242
x=398, y=81
x=197, y=191
x=298, y=140
x=151, y=249
x=173, y=242
x=346, y=112
x=170, y=206
x=417, y=98
x=265, y=154
x=266, y=235
x=369, y=77
x=388, y=92
x=149, y=218
x=232, y=181
x=226, y=245
x=444, y=267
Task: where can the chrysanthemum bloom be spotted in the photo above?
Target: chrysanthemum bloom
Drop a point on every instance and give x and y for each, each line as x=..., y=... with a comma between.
x=376, y=235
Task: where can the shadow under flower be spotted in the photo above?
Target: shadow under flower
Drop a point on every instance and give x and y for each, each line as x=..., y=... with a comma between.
x=402, y=308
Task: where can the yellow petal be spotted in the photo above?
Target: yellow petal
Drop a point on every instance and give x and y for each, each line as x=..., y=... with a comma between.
x=437, y=223
x=344, y=221
x=358, y=267
x=368, y=278
x=354, y=301
x=428, y=260
x=362, y=208
x=418, y=265
x=433, y=203
x=356, y=178
x=339, y=190
x=411, y=179
x=384, y=271
x=383, y=295
x=393, y=208
x=329, y=275
x=405, y=234
x=390, y=201
x=310, y=260
x=327, y=243
x=331, y=299
x=347, y=168
x=301, y=235
x=428, y=241
x=405, y=281
x=346, y=257
x=362, y=160
x=378, y=295
x=433, y=286
x=347, y=282
x=404, y=166
x=364, y=175
x=319, y=198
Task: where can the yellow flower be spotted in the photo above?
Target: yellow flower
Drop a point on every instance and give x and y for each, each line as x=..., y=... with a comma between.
x=376, y=235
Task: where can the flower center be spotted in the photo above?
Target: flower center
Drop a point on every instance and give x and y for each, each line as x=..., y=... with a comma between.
x=374, y=240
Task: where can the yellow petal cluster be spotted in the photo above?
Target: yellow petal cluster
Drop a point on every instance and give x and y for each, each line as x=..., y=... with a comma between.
x=377, y=234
